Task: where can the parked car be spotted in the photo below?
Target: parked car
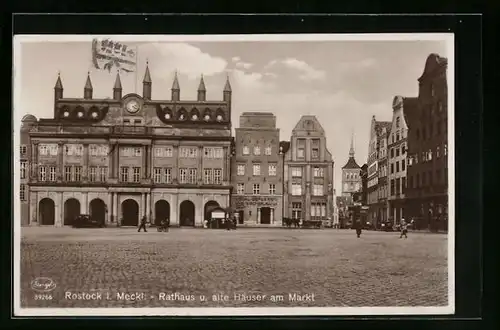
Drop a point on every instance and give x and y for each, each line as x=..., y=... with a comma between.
x=86, y=221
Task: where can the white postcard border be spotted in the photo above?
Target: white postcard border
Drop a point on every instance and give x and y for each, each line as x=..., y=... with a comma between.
x=448, y=38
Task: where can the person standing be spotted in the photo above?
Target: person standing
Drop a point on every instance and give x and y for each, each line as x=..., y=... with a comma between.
x=358, y=226
x=144, y=220
x=404, y=229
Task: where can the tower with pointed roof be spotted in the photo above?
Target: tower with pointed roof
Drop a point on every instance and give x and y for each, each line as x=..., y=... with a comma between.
x=88, y=89
x=176, y=89
x=351, y=173
x=117, y=88
x=58, y=88
x=202, y=91
x=146, y=84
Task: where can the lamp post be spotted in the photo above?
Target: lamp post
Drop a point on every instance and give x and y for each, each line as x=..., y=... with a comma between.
x=282, y=154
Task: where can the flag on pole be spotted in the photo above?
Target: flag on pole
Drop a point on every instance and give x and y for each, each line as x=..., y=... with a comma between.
x=107, y=54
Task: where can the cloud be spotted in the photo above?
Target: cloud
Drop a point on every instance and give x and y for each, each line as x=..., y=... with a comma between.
x=236, y=59
x=164, y=58
x=308, y=73
x=244, y=65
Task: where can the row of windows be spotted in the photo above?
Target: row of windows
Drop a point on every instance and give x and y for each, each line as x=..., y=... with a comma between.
x=318, y=189
x=98, y=173
x=428, y=134
x=257, y=169
x=398, y=168
x=427, y=178
x=352, y=176
x=318, y=210
x=71, y=173
x=190, y=152
x=240, y=189
x=398, y=186
x=257, y=151
x=130, y=174
x=426, y=156
x=22, y=193
x=395, y=151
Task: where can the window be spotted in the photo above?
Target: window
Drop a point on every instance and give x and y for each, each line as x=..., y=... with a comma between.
x=392, y=168
x=217, y=176
x=296, y=172
x=188, y=152
x=78, y=173
x=92, y=173
x=318, y=190
x=424, y=178
x=397, y=167
x=137, y=174
x=22, y=193
x=42, y=170
x=241, y=169
x=246, y=150
x=24, y=164
x=216, y=153
x=296, y=189
x=103, y=173
x=392, y=152
x=93, y=150
x=398, y=187
x=124, y=174
x=256, y=151
x=445, y=149
x=392, y=188
x=397, y=136
x=272, y=169
x=192, y=175
x=207, y=176
x=167, y=175
x=23, y=149
x=272, y=189
x=43, y=150
x=318, y=172
x=398, y=122
x=301, y=147
x=430, y=178
x=267, y=151
x=137, y=152
x=256, y=169
x=162, y=152
x=296, y=210
x=72, y=150
x=403, y=149
x=157, y=175
x=315, y=149
x=183, y=175
x=240, y=188
x=256, y=189
x=437, y=152
x=403, y=165
x=397, y=152
x=403, y=185
x=68, y=173
x=52, y=173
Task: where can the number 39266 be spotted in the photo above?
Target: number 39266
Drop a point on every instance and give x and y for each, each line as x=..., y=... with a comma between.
x=42, y=296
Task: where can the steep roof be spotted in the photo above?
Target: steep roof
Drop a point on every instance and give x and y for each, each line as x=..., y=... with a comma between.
x=432, y=64
x=351, y=164
x=308, y=123
x=379, y=125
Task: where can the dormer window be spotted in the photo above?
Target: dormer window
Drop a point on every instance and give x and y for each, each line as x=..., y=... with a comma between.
x=219, y=117
x=207, y=117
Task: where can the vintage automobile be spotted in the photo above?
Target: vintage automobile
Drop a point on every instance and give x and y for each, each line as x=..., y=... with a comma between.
x=387, y=226
x=86, y=221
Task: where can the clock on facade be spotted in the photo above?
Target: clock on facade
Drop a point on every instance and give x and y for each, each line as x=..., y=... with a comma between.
x=132, y=106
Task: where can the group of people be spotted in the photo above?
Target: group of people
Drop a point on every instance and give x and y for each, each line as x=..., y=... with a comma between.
x=164, y=224
x=403, y=227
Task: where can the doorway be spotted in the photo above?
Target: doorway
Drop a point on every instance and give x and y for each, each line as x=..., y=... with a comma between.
x=130, y=213
x=71, y=211
x=187, y=214
x=265, y=215
x=98, y=210
x=47, y=212
x=162, y=211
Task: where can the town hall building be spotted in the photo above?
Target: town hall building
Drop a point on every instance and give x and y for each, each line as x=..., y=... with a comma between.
x=126, y=157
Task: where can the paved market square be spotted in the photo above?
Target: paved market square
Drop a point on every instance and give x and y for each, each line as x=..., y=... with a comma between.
x=119, y=267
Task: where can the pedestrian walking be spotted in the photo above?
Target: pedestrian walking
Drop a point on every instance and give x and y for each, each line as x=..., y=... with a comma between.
x=404, y=229
x=358, y=227
x=144, y=220
x=167, y=224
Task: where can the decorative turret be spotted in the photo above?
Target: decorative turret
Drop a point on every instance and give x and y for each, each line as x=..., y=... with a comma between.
x=351, y=162
x=176, y=90
x=227, y=91
x=202, y=91
x=88, y=89
x=58, y=88
x=351, y=150
x=117, y=89
x=146, y=84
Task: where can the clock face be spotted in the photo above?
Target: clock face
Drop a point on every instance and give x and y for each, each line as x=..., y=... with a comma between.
x=133, y=106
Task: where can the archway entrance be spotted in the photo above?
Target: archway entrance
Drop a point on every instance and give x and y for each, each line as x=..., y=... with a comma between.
x=187, y=214
x=130, y=213
x=162, y=211
x=47, y=212
x=71, y=211
x=209, y=207
x=241, y=217
x=265, y=215
x=98, y=210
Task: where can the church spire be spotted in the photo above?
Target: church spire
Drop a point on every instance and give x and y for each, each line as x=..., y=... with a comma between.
x=58, y=88
x=117, y=89
x=202, y=91
x=146, y=83
x=351, y=150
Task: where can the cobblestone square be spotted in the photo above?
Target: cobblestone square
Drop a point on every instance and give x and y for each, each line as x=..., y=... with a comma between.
x=328, y=268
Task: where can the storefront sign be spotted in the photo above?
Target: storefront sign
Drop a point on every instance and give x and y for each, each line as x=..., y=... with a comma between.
x=218, y=215
x=242, y=202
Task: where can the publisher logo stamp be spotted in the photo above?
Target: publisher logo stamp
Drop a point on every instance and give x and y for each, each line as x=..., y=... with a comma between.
x=43, y=284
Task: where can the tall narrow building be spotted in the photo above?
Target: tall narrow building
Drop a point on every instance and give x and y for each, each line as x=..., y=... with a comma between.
x=351, y=178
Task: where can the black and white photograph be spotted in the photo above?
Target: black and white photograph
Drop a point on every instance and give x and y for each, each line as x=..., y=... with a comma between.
x=205, y=175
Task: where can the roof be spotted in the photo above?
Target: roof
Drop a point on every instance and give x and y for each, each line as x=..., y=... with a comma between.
x=88, y=83
x=58, y=83
x=175, y=84
x=433, y=63
x=147, y=75
x=379, y=125
x=201, y=87
x=351, y=164
x=118, y=82
x=227, y=87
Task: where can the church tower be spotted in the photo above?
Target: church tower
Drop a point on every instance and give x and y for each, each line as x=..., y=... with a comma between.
x=351, y=174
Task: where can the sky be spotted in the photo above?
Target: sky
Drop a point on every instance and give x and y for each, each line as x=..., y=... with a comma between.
x=343, y=83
